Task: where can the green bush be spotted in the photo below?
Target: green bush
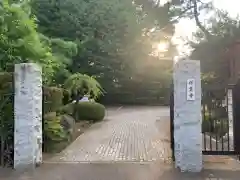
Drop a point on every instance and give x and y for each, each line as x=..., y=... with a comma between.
x=50, y=116
x=216, y=127
x=220, y=127
x=66, y=109
x=66, y=96
x=206, y=126
x=85, y=111
x=53, y=132
x=215, y=122
x=52, y=99
x=6, y=95
x=220, y=112
x=90, y=111
x=6, y=115
x=52, y=96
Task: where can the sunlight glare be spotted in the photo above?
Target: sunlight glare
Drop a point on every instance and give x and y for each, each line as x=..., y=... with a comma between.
x=162, y=47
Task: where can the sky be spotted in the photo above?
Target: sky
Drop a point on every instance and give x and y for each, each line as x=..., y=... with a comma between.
x=186, y=27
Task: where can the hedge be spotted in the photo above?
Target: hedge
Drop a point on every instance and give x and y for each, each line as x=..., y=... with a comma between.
x=52, y=98
x=90, y=111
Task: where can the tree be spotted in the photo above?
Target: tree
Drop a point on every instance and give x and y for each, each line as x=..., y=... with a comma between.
x=212, y=52
x=79, y=85
x=20, y=41
x=114, y=38
x=192, y=9
x=63, y=51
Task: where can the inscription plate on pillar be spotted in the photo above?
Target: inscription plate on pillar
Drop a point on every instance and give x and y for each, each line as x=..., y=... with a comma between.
x=191, y=89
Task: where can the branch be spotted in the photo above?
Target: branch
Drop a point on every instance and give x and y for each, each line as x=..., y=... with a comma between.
x=201, y=27
x=181, y=15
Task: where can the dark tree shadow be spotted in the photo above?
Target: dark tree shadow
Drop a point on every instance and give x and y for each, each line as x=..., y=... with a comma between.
x=174, y=174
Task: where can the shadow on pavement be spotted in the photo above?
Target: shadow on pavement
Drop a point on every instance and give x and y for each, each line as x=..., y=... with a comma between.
x=123, y=171
x=174, y=174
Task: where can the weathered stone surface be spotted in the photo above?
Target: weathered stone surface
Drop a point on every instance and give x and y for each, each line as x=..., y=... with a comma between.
x=187, y=117
x=28, y=115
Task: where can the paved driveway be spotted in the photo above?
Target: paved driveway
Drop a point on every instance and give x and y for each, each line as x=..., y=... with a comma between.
x=129, y=134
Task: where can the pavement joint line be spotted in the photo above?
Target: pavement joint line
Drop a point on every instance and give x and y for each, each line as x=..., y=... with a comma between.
x=120, y=140
x=119, y=108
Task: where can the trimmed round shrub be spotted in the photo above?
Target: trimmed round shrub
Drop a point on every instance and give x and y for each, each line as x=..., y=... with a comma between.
x=90, y=111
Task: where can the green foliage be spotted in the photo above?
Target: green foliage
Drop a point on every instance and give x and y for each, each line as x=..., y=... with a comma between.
x=85, y=110
x=206, y=126
x=6, y=117
x=62, y=51
x=215, y=127
x=53, y=132
x=149, y=85
x=81, y=84
x=20, y=42
x=90, y=111
x=215, y=122
x=6, y=99
x=66, y=109
x=225, y=30
x=52, y=98
x=50, y=116
x=114, y=39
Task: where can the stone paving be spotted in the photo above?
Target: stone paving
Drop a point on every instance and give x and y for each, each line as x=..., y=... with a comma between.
x=139, y=135
x=139, y=124
x=222, y=169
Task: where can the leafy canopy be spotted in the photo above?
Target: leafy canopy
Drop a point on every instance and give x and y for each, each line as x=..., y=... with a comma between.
x=20, y=41
x=81, y=84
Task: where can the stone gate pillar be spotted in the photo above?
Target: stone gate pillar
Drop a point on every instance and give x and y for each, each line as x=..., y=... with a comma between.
x=187, y=116
x=27, y=115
